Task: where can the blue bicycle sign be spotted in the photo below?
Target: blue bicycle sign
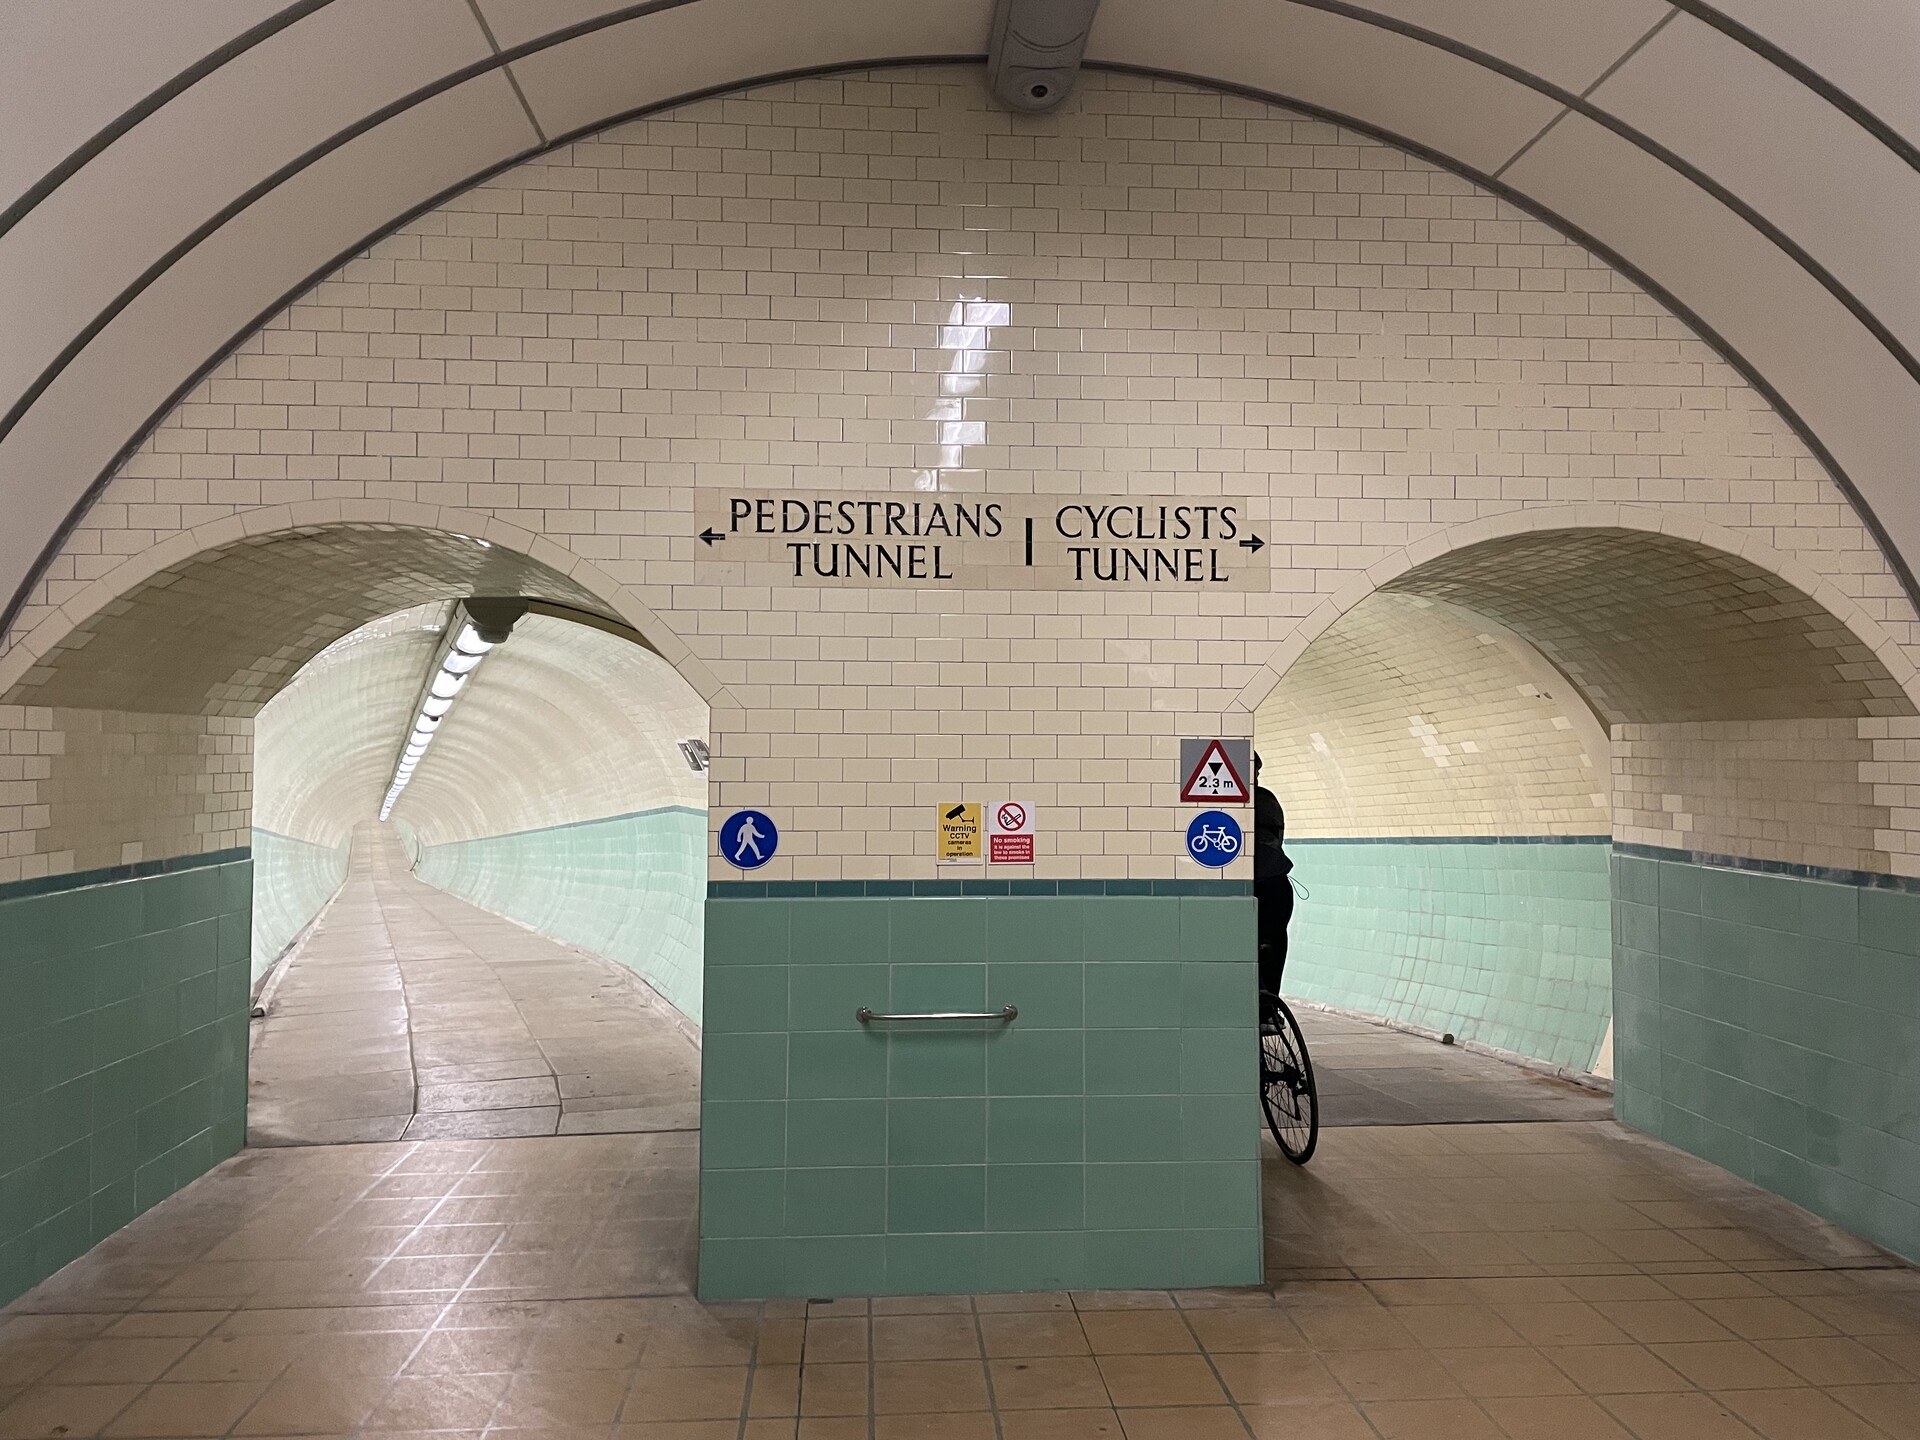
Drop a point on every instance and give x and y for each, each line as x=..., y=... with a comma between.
x=1213, y=838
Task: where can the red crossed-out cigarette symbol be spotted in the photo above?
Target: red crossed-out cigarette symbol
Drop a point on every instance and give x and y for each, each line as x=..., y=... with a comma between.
x=1011, y=816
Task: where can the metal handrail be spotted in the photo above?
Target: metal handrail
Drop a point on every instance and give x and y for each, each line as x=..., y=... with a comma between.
x=1004, y=1013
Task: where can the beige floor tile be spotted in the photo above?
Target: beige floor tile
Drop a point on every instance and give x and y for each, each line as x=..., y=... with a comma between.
x=925, y=1386
x=1689, y=1416
x=971, y=1425
x=1093, y=1424
x=694, y=1392
x=117, y=1359
x=1288, y=1377
x=1047, y=1383
x=1392, y=1375
x=774, y=1390
x=1894, y=1408
x=1043, y=1333
x=1615, y=1369
x=1320, y=1419
x=311, y=1407
x=191, y=1408
x=925, y=1337
x=1504, y=1370
x=1725, y=1365
x=1210, y=1422
x=1430, y=1420
x=1160, y=1380
x=1797, y=1414
x=835, y=1389
x=1138, y=1332
x=64, y=1410
x=1553, y=1417
x=438, y=1402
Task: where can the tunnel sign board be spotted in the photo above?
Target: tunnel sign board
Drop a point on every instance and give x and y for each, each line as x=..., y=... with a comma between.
x=1216, y=772
x=1010, y=833
x=958, y=827
x=982, y=542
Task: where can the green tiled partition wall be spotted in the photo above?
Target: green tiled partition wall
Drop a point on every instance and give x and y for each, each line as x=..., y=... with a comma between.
x=1770, y=1023
x=1503, y=941
x=292, y=880
x=123, y=1050
x=1108, y=1137
x=630, y=887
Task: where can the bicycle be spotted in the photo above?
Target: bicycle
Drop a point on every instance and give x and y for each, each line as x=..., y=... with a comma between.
x=1287, y=1093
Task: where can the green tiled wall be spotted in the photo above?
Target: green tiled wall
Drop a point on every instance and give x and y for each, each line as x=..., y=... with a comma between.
x=1505, y=943
x=292, y=880
x=1771, y=1024
x=631, y=887
x=1108, y=1137
x=123, y=1052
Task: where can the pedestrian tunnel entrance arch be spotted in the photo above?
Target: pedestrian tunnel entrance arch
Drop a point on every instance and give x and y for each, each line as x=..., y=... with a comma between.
x=216, y=735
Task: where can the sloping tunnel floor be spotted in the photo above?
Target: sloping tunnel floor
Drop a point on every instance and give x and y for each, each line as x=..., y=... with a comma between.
x=1369, y=1074
x=410, y=1014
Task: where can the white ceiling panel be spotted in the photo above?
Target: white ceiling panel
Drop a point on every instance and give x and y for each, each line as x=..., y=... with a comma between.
x=678, y=52
x=1868, y=48
x=1573, y=49
x=1839, y=193
x=1412, y=89
x=1827, y=366
x=67, y=260
x=108, y=394
x=69, y=68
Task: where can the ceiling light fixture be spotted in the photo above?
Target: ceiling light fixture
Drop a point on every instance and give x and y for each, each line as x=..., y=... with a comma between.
x=475, y=627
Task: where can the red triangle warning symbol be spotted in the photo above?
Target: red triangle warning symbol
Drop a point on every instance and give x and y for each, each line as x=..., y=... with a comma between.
x=1214, y=778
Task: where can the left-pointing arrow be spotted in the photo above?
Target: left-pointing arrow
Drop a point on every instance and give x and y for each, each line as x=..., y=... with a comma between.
x=710, y=535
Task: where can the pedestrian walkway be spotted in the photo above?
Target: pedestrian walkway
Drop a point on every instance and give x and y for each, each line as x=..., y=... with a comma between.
x=412, y=1014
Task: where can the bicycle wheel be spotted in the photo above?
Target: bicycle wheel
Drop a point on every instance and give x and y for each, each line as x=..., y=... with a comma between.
x=1286, y=1082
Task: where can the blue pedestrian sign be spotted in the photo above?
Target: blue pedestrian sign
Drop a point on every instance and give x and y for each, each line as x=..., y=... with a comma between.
x=748, y=839
x=1213, y=838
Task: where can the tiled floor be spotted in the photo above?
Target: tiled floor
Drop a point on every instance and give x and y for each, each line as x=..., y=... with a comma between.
x=1529, y=1281
x=410, y=1013
x=1370, y=1075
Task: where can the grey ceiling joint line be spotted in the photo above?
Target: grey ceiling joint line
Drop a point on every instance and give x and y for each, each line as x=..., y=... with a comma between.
x=1034, y=51
x=1598, y=80
x=1855, y=110
x=1646, y=144
x=92, y=147
x=480, y=19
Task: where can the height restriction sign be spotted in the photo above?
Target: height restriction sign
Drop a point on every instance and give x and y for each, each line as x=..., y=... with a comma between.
x=1216, y=772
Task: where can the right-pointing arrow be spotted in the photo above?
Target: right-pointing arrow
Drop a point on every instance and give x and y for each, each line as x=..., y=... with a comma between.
x=1253, y=544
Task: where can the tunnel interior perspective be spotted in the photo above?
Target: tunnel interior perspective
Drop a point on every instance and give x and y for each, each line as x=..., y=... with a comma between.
x=1009, y=720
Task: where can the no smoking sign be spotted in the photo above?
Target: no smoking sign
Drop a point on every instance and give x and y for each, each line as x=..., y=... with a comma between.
x=1010, y=833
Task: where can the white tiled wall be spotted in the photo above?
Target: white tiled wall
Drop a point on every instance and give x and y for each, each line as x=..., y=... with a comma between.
x=879, y=283
x=1414, y=718
x=88, y=789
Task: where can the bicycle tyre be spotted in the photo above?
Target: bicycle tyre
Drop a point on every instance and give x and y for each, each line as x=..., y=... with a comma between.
x=1288, y=1097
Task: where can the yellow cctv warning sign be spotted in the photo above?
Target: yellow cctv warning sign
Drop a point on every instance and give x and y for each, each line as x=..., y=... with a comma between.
x=959, y=832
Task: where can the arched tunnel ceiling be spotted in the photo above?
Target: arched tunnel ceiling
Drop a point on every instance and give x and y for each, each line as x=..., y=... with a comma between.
x=223, y=632
x=1654, y=630
x=561, y=723
x=1752, y=161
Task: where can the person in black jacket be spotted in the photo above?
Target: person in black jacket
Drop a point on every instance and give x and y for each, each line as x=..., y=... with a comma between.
x=1272, y=887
